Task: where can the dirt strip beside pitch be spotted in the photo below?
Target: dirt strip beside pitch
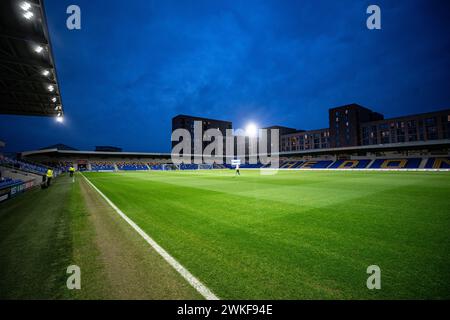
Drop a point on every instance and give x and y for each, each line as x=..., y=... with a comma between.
x=133, y=269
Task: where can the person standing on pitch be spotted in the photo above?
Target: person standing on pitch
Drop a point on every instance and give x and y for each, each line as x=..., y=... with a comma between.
x=49, y=176
x=71, y=171
x=237, y=170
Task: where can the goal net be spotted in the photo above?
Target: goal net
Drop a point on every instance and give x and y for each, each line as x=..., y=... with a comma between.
x=169, y=167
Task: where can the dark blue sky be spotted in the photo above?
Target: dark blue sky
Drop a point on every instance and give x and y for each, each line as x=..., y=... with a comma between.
x=135, y=64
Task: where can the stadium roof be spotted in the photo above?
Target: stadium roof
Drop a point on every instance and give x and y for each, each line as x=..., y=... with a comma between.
x=28, y=79
x=417, y=145
x=401, y=146
x=94, y=153
x=59, y=146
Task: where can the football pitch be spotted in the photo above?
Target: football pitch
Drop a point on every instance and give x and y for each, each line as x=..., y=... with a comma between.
x=296, y=234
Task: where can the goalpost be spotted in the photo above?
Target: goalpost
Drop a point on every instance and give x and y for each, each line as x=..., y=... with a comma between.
x=169, y=166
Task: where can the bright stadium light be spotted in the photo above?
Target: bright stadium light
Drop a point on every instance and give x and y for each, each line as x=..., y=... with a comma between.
x=25, y=6
x=45, y=73
x=38, y=49
x=251, y=130
x=28, y=15
x=60, y=119
x=51, y=88
x=54, y=99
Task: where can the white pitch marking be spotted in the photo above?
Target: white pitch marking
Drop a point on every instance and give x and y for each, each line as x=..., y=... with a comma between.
x=193, y=281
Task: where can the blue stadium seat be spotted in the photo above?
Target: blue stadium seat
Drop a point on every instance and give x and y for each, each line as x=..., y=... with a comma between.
x=320, y=164
x=411, y=163
x=7, y=182
x=102, y=166
x=438, y=163
x=360, y=164
x=131, y=166
x=24, y=165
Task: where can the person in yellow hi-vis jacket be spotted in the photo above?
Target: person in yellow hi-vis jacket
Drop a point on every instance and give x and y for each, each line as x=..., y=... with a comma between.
x=49, y=176
x=71, y=171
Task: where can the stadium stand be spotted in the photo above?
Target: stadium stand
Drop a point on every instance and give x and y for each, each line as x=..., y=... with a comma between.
x=319, y=164
x=131, y=166
x=189, y=166
x=291, y=164
x=412, y=159
x=102, y=166
x=7, y=182
x=350, y=164
x=23, y=165
x=412, y=163
x=393, y=163
x=157, y=167
x=438, y=163
x=17, y=176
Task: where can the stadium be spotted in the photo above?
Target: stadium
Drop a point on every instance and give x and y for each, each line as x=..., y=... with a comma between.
x=367, y=190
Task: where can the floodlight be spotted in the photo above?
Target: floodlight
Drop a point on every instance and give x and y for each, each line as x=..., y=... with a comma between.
x=28, y=15
x=38, y=49
x=51, y=88
x=251, y=130
x=45, y=73
x=25, y=6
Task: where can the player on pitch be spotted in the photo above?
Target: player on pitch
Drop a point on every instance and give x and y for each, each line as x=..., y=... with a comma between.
x=71, y=171
x=237, y=170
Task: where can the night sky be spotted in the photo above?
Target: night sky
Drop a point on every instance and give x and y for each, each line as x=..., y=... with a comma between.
x=135, y=64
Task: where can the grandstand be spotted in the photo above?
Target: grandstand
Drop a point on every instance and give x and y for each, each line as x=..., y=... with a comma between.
x=29, y=84
x=17, y=176
x=419, y=156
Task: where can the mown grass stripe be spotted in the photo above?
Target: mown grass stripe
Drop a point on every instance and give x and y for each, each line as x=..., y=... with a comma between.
x=193, y=281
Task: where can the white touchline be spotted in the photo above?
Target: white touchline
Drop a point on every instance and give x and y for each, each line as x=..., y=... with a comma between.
x=193, y=281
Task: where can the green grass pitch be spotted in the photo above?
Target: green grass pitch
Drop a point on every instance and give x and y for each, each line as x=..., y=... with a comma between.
x=296, y=235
